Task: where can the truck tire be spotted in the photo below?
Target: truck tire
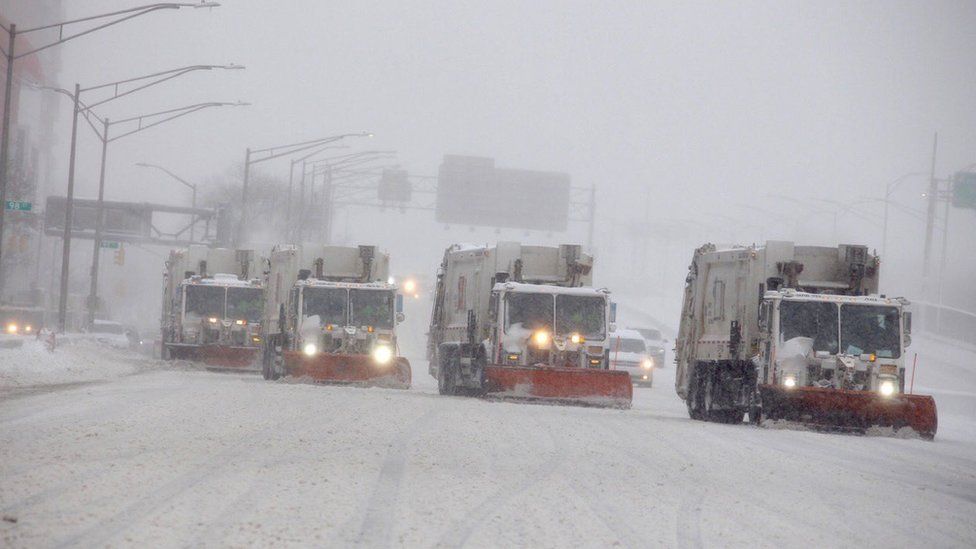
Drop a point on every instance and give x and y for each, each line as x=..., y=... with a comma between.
x=717, y=405
x=270, y=358
x=447, y=355
x=696, y=409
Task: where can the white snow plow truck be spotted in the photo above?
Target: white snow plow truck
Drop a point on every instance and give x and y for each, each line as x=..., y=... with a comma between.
x=523, y=321
x=795, y=333
x=212, y=304
x=331, y=316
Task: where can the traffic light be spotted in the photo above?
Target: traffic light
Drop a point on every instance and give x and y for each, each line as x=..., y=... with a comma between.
x=120, y=256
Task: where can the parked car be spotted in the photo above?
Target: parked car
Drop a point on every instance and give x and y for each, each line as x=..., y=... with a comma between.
x=628, y=352
x=111, y=333
x=656, y=345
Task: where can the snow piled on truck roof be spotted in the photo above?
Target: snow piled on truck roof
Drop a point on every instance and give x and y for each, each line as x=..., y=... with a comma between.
x=549, y=289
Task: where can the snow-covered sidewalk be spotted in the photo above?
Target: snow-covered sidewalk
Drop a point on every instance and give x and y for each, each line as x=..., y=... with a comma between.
x=80, y=361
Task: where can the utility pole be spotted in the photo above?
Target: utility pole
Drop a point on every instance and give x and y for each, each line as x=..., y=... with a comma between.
x=99, y=227
x=68, y=209
x=5, y=145
x=933, y=197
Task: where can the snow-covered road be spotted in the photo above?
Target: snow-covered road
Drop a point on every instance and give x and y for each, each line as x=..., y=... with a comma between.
x=187, y=458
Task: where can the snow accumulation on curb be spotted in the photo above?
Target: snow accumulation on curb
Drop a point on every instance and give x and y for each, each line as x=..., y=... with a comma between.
x=82, y=361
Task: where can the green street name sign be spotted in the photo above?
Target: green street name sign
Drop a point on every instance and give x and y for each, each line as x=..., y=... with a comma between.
x=18, y=206
x=110, y=244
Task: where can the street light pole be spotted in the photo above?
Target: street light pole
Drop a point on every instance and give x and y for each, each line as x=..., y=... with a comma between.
x=890, y=188
x=99, y=226
x=192, y=186
x=11, y=56
x=5, y=145
x=68, y=219
x=170, y=114
x=277, y=152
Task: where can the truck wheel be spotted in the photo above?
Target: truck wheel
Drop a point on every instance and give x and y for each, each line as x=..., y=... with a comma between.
x=445, y=383
x=403, y=374
x=695, y=405
x=266, y=361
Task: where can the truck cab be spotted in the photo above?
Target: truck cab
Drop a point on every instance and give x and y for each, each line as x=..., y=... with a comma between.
x=535, y=324
x=348, y=318
x=220, y=310
x=833, y=341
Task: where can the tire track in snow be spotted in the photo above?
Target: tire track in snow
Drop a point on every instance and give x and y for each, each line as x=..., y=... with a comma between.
x=104, y=531
x=376, y=527
x=688, y=512
x=461, y=531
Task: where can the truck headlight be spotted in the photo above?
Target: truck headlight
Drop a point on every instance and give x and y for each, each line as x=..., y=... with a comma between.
x=789, y=382
x=12, y=328
x=647, y=364
x=382, y=354
x=310, y=349
x=886, y=388
x=577, y=339
x=541, y=339
x=213, y=320
x=240, y=322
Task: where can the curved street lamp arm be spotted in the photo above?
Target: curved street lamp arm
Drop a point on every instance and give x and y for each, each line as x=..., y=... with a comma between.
x=299, y=147
x=176, y=113
x=313, y=153
x=169, y=173
x=124, y=15
x=160, y=78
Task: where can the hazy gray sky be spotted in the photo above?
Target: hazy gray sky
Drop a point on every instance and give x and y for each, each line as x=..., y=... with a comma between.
x=692, y=106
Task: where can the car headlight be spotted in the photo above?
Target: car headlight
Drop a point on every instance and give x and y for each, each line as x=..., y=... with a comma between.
x=12, y=328
x=212, y=320
x=240, y=322
x=789, y=382
x=886, y=388
x=382, y=354
x=541, y=339
x=310, y=349
x=28, y=328
x=647, y=364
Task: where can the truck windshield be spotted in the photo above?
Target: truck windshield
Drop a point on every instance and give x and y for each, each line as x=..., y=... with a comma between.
x=371, y=308
x=532, y=311
x=812, y=319
x=245, y=304
x=628, y=345
x=329, y=304
x=580, y=314
x=205, y=301
x=870, y=329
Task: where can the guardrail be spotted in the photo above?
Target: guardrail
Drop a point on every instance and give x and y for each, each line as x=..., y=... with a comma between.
x=945, y=321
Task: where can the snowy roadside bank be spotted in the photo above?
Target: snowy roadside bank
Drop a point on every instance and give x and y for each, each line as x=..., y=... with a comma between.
x=81, y=361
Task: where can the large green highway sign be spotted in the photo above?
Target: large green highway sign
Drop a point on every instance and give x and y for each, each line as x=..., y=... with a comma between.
x=964, y=190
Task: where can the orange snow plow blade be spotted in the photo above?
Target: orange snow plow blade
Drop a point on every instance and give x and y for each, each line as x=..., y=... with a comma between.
x=353, y=369
x=219, y=356
x=606, y=388
x=848, y=410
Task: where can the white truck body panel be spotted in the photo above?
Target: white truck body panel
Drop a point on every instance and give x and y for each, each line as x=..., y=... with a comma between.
x=726, y=287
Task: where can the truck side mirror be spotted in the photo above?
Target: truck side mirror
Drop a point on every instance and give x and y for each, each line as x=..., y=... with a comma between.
x=400, y=317
x=613, y=312
x=399, y=303
x=907, y=327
